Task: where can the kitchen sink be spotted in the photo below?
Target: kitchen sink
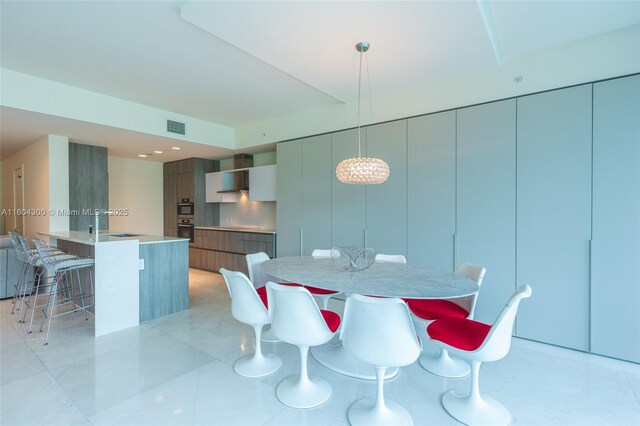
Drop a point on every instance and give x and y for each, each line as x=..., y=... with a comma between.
x=123, y=235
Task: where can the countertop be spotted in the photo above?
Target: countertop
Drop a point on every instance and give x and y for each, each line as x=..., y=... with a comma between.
x=108, y=236
x=249, y=229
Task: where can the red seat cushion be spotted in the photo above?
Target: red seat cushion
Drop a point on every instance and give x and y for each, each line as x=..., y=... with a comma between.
x=460, y=333
x=263, y=297
x=432, y=309
x=316, y=290
x=331, y=318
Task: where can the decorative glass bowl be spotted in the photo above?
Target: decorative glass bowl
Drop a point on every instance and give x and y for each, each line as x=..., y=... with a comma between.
x=353, y=258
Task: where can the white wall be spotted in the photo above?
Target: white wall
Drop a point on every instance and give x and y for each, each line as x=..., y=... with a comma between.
x=35, y=159
x=59, y=182
x=246, y=212
x=137, y=186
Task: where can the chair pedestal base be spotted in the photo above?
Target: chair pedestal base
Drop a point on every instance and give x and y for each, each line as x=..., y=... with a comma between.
x=364, y=412
x=295, y=393
x=268, y=336
x=337, y=358
x=257, y=365
x=444, y=365
x=477, y=411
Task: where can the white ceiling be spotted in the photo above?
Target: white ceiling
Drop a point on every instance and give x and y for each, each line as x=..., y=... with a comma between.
x=235, y=63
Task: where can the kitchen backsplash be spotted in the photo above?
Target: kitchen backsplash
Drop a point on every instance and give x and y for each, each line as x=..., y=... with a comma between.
x=248, y=213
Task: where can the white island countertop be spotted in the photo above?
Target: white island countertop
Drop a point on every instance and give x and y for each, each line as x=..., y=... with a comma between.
x=108, y=236
x=250, y=229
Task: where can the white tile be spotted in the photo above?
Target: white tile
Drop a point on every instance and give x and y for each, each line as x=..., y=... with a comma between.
x=311, y=417
x=33, y=396
x=18, y=362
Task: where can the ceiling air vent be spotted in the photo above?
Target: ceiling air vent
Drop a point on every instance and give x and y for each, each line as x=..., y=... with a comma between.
x=175, y=127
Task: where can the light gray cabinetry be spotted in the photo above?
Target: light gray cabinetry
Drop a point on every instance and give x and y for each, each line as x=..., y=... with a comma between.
x=386, y=226
x=554, y=215
x=431, y=190
x=615, y=275
x=485, y=219
x=316, y=193
x=289, y=205
x=348, y=206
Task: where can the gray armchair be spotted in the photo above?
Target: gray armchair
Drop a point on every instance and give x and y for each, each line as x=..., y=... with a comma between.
x=10, y=268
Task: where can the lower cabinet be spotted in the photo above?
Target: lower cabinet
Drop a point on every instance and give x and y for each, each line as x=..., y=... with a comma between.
x=215, y=249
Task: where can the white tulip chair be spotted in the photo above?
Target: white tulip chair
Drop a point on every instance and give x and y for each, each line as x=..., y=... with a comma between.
x=249, y=308
x=477, y=342
x=379, y=332
x=296, y=319
x=427, y=310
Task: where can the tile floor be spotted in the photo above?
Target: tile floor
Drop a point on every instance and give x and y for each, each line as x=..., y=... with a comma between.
x=178, y=370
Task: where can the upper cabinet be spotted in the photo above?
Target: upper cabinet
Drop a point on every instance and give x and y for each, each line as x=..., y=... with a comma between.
x=262, y=183
x=221, y=187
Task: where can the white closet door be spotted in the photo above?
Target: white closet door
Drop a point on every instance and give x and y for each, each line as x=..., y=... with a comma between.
x=387, y=202
x=486, y=189
x=431, y=191
x=316, y=193
x=348, y=206
x=615, y=276
x=289, y=198
x=554, y=215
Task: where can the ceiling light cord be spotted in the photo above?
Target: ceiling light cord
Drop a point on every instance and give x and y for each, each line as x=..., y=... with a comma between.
x=359, y=85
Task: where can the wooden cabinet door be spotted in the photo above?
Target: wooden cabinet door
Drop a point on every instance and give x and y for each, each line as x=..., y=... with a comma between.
x=554, y=215
x=615, y=274
x=486, y=205
x=431, y=191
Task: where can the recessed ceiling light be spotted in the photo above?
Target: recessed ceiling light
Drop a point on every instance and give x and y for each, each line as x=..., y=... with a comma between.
x=158, y=152
x=177, y=148
x=142, y=155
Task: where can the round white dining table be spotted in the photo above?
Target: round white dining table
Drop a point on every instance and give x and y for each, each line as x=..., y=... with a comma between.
x=387, y=279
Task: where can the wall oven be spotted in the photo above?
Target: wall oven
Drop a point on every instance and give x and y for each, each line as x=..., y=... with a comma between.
x=186, y=229
x=185, y=207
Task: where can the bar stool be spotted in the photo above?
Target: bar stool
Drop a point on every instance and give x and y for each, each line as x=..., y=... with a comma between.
x=62, y=291
x=40, y=280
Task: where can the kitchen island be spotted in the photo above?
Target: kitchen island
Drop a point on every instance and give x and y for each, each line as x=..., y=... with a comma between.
x=137, y=277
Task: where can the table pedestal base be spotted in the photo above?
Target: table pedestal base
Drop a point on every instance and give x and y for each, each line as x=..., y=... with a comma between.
x=337, y=358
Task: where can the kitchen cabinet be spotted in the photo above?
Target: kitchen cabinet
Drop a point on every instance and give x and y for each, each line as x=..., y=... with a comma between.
x=554, y=215
x=431, y=190
x=289, y=205
x=348, y=202
x=316, y=193
x=213, y=182
x=219, y=248
x=186, y=179
x=262, y=183
x=486, y=205
x=615, y=250
x=386, y=204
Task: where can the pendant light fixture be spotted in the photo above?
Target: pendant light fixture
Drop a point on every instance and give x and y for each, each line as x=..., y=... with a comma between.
x=362, y=170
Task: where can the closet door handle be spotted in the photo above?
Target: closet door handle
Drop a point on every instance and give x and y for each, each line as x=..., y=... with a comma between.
x=301, y=239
